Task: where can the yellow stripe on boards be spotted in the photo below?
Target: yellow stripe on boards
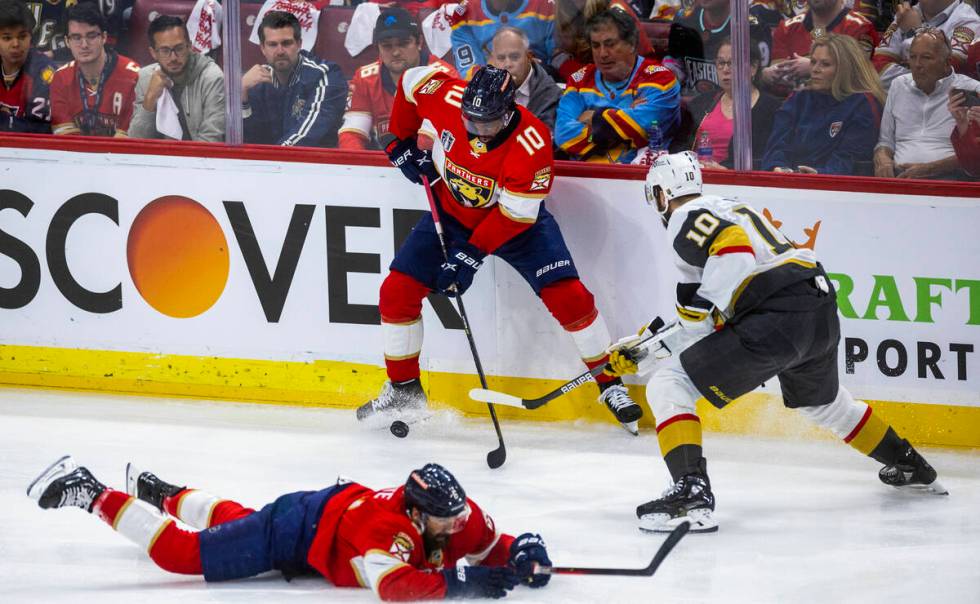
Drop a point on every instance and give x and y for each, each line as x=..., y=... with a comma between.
x=347, y=385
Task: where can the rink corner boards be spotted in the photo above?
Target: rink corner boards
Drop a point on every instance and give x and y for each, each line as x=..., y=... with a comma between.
x=341, y=384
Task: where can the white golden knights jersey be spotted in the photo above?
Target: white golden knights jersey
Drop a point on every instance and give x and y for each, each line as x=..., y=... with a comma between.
x=495, y=189
x=731, y=258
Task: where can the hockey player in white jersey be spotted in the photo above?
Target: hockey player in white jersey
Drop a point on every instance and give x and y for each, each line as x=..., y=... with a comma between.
x=752, y=306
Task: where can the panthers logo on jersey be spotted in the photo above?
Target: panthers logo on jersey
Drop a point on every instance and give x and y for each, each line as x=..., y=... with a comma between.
x=469, y=189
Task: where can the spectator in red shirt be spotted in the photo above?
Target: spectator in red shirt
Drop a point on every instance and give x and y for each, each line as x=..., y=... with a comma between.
x=94, y=94
x=966, y=134
x=372, y=89
x=792, y=39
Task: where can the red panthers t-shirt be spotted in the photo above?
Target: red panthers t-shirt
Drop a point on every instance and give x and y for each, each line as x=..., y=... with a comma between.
x=102, y=110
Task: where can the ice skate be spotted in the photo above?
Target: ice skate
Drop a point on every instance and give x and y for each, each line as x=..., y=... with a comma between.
x=912, y=472
x=147, y=487
x=396, y=401
x=689, y=499
x=64, y=484
x=617, y=399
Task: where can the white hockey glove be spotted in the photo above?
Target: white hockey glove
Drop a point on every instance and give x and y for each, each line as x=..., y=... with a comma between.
x=689, y=333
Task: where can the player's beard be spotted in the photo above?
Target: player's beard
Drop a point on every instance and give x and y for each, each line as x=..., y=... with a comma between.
x=435, y=542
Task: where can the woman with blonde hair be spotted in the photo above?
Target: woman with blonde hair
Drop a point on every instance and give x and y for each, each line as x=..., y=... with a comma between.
x=832, y=125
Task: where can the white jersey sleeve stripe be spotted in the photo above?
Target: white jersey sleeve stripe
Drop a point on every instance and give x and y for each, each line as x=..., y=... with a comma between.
x=520, y=208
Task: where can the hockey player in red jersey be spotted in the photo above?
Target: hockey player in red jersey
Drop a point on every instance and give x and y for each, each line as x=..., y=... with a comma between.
x=372, y=89
x=94, y=94
x=495, y=162
x=402, y=543
x=751, y=306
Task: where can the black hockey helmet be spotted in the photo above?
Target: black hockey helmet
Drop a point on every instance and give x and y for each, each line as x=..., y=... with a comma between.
x=434, y=490
x=489, y=95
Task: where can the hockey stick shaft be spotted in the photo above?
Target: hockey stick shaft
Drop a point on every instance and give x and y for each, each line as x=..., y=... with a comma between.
x=495, y=458
x=665, y=548
x=502, y=398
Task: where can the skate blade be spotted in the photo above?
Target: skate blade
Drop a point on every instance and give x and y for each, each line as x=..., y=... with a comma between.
x=63, y=466
x=631, y=427
x=702, y=521
x=933, y=488
x=382, y=421
x=132, y=478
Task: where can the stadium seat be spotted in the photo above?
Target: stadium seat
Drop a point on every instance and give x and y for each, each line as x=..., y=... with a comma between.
x=334, y=21
x=658, y=32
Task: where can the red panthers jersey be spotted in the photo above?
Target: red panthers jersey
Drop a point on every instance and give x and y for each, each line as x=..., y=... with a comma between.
x=369, y=102
x=25, y=104
x=795, y=35
x=494, y=190
x=92, y=115
x=365, y=538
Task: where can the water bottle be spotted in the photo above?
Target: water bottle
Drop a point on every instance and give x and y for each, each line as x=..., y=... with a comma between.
x=705, y=151
x=655, y=138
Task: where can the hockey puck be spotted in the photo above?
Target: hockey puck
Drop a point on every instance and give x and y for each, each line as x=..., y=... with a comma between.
x=399, y=428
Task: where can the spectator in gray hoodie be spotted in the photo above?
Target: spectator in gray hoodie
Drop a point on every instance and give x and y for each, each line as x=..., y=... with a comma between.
x=193, y=81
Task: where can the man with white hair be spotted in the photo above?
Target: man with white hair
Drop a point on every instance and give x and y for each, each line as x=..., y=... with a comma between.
x=916, y=123
x=751, y=306
x=511, y=50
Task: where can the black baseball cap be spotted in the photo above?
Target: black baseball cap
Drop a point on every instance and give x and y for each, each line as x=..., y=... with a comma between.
x=395, y=22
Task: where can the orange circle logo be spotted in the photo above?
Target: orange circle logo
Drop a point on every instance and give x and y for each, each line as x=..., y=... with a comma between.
x=178, y=256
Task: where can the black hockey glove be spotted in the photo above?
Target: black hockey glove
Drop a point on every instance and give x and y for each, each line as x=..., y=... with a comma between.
x=457, y=274
x=412, y=161
x=479, y=581
x=604, y=136
x=527, y=551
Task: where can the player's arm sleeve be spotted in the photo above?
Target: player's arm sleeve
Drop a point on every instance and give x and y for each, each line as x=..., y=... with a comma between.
x=658, y=100
x=467, y=53
x=524, y=186
x=724, y=252
x=213, y=121
x=486, y=546
x=783, y=131
x=415, y=88
x=61, y=119
x=325, y=104
x=143, y=124
x=396, y=581
x=571, y=135
x=129, y=103
x=355, y=132
x=857, y=141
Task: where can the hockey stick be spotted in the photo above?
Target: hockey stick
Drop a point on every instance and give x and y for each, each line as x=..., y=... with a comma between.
x=502, y=398
x=498, y=456
x=647, y=571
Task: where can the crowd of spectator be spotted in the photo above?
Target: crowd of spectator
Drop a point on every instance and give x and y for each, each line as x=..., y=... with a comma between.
x=851, y=87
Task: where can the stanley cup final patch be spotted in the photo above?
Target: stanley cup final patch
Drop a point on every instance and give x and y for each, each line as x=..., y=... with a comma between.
x=835, y=128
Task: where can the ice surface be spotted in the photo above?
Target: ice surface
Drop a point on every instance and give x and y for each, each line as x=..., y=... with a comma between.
x=800, y=521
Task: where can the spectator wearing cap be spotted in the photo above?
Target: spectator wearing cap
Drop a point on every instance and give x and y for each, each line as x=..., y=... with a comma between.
x=183, y=84
x=475, y=23
x=917, y=124
x=611, y=108
x=956, y=19
x=372, y=89
x=294, y=99
x=536, y=90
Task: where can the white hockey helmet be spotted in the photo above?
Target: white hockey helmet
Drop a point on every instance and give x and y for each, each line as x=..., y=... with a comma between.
x=677, y=174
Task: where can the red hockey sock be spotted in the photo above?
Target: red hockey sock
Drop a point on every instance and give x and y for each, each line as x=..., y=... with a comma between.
x=177, y=551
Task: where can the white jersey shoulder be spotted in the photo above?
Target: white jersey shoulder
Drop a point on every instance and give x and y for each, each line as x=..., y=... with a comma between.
x=769, y=246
